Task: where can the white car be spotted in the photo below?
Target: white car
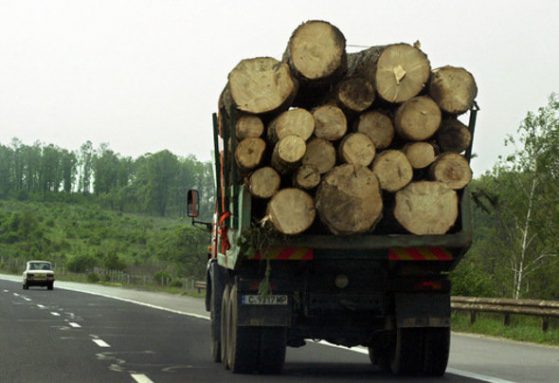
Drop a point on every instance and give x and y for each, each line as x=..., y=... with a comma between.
x=38, y=273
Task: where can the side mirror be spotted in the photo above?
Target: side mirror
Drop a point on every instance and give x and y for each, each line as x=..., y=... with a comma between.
x=192, y=203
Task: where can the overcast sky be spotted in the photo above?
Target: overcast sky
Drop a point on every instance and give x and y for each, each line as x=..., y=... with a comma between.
x=145, y=75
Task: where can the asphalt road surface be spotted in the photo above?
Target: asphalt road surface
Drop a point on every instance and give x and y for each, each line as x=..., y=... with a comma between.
x=88, y=333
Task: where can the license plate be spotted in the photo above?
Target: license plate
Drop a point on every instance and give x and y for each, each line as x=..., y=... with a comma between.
x=264, y=300
x=39, y=277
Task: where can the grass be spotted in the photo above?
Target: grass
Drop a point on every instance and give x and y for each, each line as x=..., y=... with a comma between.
x=522, y=328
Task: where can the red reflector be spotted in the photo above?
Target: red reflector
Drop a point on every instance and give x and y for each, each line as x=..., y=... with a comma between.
x=428, y=285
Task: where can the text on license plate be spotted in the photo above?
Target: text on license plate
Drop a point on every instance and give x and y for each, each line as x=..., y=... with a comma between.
x=264, y=300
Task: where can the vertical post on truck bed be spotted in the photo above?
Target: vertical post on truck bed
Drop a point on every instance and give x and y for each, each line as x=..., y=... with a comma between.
x=472, y=127
x=217, y=164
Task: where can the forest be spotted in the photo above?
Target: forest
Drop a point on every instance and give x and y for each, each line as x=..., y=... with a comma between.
x=94, y=207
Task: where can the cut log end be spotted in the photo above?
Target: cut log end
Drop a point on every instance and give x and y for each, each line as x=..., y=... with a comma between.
x=294, y=122
x=330, y=122
x=248, y=126
x=261, y=85
x=451, y=169
x=264, y=182
x=378, y=127
x=357, y=149
x=418, y=119
x=316, y=51
x=320, y=154
x=420, y=154
x=454, y=89
x=393, y=170
x=453, y=136
x=291, y=211
x=402, y=72
x=249, y=153
x=348, y=200
x=355, y=94
x=306, y=177
x=426, y=208
x=288, y=153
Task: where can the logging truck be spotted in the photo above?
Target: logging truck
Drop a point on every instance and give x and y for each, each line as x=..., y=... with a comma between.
x=338, y=217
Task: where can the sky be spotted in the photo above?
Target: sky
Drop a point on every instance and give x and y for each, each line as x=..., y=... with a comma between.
x=145, y=75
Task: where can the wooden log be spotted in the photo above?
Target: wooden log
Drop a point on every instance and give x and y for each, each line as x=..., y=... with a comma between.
x=293, y=122
x=348, y=200
x=426, y=207
x=377, y=126
x=306, y=177
x=291, y=211
x=248, y=125
x=451, y=169
x=357, y=149
x=420, y=154
x=417, y=119
x=288, y=153
x=353, y=94
x=453, y=136
x=393, y=170
x=330, y=122
x=264, y=182
x=249, y=153
x=316, y=53
x=320, y=154
x=398, y=72
x=453, y=89
x=260, y=85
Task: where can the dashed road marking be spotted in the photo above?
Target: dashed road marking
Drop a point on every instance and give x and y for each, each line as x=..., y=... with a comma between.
x=27, y=299
x=41, y=306
x=16, y=295
x=6, y=291
x=55, y=314
x=74, y=325
x=101, y=343
x=141, y=378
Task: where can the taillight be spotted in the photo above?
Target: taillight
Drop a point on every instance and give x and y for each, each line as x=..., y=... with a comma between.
x=428, y=285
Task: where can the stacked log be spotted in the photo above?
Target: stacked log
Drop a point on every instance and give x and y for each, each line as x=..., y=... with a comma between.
x=350, y=138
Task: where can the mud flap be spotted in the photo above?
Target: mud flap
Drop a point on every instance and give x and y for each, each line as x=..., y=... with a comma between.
x=422, y=310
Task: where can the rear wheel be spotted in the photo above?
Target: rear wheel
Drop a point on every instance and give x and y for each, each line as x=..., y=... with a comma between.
x=25, y=286
x=436, y=349
x=224, y=320
x=273, y=341
x=50, y=286
x=215, y=341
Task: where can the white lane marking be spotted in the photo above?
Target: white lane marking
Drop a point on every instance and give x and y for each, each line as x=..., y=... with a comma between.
x=6, y=291
x=55, y=314
x=466, y=374
x=41, y=306
x=472, y=375
x=141, y=378
x=27, y=299
x=74, y=325
x=101, y=343
x=139, y=303
x=16, y=295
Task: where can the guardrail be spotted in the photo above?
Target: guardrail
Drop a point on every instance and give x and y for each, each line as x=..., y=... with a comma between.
x=543, y=309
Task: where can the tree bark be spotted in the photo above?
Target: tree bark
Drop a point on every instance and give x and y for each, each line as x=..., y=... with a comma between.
x=398, y=72
x=264, y=182
x=378, y=126
x=260, y=85
x=248, y=126
x=451, y=169
x=330, y=122
x=291, y=211
x=348, y=200
x=288, y=153
x=426, y=208
x=393, y=170
x=357, y=149
x=321, y=154
x=420, y=154
x=453, y=136
x=294, y=122
x=353, y=94
x=453, y=89
x=316, y=53
x=417, y=119
x=306, y=177
x=249, y=153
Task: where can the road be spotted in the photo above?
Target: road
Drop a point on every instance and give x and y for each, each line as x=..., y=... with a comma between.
x=121, y=335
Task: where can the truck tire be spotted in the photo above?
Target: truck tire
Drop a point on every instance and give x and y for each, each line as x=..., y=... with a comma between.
x=436, y=349
x=273, y=342
x=243, y=342
x=408, y=352
x=50, y=286
x=215, y=321
x=25, y=286
x=224, y=325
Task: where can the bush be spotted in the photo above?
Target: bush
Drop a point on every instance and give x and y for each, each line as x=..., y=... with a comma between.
x=81, y=263
x=176, y=283
x=93, y=278
x=161, y=277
